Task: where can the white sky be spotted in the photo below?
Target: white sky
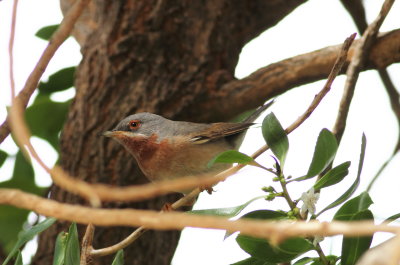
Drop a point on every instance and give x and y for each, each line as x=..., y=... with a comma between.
x=314, y=25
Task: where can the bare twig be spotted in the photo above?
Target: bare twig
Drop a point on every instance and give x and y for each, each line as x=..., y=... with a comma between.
x=394, y=101
x=356, y=64
x=57, y=39
x=275, y=230
x=381, y=169
x=11, y=48
x=87, y=243
x=340, y=60
x=121, y=245
x=357, y=12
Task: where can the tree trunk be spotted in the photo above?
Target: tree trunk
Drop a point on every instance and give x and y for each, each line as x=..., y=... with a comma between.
x=165, y=57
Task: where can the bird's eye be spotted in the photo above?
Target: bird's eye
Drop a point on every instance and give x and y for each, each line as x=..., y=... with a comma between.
x=134, y=124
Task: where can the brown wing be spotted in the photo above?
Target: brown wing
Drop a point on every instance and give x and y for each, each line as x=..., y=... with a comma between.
x=219, y=130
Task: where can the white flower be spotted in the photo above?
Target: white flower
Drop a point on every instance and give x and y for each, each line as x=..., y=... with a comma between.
x=309, y=199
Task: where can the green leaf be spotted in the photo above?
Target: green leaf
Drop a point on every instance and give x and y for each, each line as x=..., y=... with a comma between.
x=230, y=157
x=392, y=218
x=347, y=194
x=28, y=235
x=72, y=251
x=333, y=176
x=12, y=218
x=261, y=215
x=18, y=261
x=59, y=249
x=252, y=261
x=265, y=215
x=354, y=247
x=3, y=157
x=304, y=261
x=119, y=258
x=59, y=81
x=276, y=137
x=45, y=33
x=46, y=119
x=353, y=206
x=226, y=212
x=317, y=262
x=284, y=252
x=324, y=153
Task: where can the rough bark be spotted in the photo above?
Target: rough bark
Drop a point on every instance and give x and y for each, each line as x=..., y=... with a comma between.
x=164, y=57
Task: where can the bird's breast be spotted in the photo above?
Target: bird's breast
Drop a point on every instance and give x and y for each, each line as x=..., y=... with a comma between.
x=174, y=157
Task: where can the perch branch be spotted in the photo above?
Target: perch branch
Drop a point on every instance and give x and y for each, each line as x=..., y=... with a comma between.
x=274, y=230
x=55, y=42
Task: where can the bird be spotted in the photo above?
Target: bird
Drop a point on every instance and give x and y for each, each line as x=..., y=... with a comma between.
x=165, y=149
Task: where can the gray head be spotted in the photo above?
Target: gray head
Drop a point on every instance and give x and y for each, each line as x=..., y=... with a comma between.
x=141, y=123
x=147, y=124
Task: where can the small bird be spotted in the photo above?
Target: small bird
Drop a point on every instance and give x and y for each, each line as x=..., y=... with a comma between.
x=166, y=149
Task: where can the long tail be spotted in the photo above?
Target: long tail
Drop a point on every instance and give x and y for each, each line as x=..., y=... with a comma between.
x=258, y=112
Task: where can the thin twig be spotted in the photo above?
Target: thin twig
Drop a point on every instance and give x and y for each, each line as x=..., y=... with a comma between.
x=11, y=48
x=192, y=195
x=87, y=242
x=121, y=245
x=381, y=169
x=321, y=254
x=178, y=220
x=357, y=12
x=394, y=100
x=56, y=40
x=356, y=65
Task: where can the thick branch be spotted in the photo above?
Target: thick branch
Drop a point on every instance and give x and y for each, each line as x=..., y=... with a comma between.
x=282, y=76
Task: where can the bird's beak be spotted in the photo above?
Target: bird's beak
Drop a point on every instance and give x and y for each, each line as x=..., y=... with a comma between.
x=110, y=133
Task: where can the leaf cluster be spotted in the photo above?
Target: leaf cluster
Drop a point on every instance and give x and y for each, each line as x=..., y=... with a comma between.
x=321, y=167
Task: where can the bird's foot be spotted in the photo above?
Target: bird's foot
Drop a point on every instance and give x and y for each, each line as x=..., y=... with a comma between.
x=167, y=207
x=208, y=188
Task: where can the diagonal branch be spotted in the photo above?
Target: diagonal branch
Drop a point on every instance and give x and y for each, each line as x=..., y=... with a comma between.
x=358, y=61
x=55, y=42
x=357, y=12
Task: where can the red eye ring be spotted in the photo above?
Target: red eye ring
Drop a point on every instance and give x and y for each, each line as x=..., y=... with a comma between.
x=134, y=124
